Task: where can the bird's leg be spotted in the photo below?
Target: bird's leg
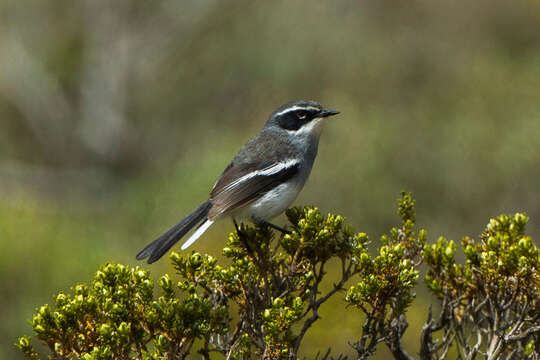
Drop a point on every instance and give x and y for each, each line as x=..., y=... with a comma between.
x=278, y=228
x=242, y=234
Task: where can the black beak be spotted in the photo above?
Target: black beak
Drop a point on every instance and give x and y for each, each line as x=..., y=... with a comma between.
x=328, y=112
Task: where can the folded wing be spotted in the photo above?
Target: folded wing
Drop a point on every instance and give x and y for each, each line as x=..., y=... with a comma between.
x=242, y=184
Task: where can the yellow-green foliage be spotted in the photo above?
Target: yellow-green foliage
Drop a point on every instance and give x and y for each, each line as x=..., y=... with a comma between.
x=496, y=293
x=261, y=301
x=118, y=317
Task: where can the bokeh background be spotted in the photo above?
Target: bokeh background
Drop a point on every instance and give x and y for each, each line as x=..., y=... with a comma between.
x=116, y=117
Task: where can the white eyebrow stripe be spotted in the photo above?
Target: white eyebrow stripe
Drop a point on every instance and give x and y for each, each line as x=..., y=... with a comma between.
x=297, y=107
x=271, y=170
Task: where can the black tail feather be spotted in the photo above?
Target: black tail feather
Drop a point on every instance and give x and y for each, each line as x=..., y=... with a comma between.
x=157, y=248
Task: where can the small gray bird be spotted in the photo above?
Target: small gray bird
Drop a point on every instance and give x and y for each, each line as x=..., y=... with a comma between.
x=261, y=181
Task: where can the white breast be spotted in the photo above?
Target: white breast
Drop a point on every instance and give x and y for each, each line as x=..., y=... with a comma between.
x=270, y=204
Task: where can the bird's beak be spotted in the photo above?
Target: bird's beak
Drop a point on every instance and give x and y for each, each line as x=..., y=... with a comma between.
x=328, y=112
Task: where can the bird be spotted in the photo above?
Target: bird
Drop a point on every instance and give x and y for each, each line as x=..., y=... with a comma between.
x=262, y=180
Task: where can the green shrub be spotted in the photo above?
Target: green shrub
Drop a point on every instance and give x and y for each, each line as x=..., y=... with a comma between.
x=261, y=303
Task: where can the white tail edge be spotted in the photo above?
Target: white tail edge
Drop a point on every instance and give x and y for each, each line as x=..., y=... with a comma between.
x=197, y=234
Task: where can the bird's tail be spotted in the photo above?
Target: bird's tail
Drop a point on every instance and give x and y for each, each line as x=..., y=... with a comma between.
x=157, y=248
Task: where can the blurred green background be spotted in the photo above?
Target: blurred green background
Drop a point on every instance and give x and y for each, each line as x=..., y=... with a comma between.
x=116, y=117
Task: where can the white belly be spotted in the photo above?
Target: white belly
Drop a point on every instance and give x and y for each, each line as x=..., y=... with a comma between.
x=270, y=204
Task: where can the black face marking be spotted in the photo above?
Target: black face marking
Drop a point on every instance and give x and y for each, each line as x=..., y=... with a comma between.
x=295, y=119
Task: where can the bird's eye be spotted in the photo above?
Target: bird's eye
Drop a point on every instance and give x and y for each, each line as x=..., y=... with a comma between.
x=302, y=115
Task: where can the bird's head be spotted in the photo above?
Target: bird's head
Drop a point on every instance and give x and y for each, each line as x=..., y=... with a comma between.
x=300, y=117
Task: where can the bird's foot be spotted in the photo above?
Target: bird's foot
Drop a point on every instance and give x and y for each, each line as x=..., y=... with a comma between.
x=242, y=235
x=278, y=228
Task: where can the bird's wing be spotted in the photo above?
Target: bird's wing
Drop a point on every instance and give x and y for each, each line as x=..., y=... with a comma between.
x=241, y=184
